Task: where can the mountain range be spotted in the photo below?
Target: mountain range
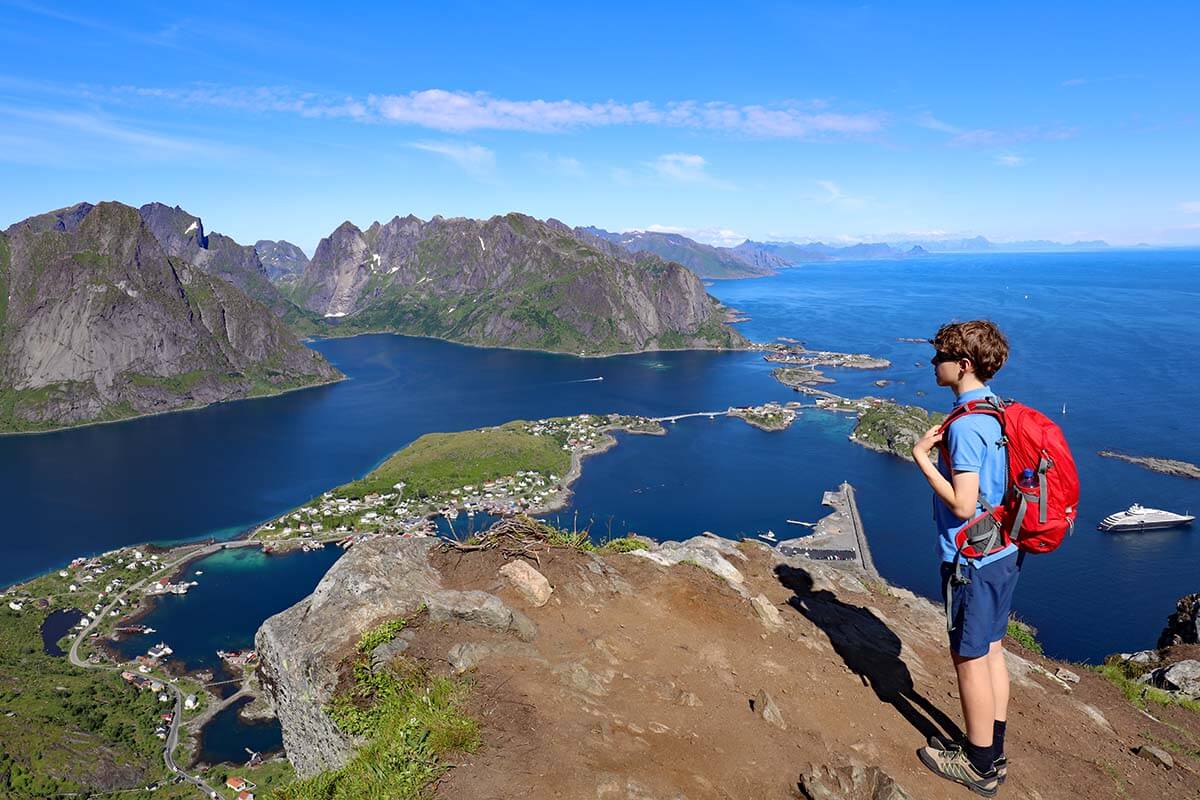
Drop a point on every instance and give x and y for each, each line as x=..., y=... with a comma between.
x=110, y=311
x=102, y=317
x=705, y=260
x=510, y=280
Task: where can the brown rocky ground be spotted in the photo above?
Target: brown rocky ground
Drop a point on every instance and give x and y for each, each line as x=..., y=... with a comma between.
x=641, y=683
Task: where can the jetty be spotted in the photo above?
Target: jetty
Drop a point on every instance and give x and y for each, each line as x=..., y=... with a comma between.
x=838, y=536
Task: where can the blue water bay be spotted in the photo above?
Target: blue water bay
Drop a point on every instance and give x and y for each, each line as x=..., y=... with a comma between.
x=1107, y=335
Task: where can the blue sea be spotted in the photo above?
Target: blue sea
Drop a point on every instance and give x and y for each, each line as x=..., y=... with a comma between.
x=1107, y=335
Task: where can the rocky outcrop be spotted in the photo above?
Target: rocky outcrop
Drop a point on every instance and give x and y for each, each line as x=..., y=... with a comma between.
x=302, y=648
x=99, y=322
x=283, y=261
x=510, y=280
x=1183, y=626
x=888, y=427
x=182, y=235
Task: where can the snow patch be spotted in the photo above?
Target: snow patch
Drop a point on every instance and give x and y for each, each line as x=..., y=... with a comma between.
x=336, y=314
x=191, y=227
x=124, y=288
x=481, y=244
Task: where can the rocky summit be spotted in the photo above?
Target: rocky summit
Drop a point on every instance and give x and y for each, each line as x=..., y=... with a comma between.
x=98, y=321
x=696, y=669
x=511, y=281
x=182, y=235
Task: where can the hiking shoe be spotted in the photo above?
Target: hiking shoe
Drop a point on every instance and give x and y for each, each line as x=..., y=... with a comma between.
x=954, y=765
x=1000, y=764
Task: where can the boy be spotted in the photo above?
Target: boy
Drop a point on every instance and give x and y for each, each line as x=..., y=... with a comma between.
x=968, y=355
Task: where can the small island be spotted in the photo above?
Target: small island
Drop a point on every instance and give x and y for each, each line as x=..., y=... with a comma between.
x=767, y=417
x=1166, y=466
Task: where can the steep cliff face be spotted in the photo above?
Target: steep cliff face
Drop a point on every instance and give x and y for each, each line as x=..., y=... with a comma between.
x=182, y=235
x=98, y=322
x=511, y=281
x=283, y=261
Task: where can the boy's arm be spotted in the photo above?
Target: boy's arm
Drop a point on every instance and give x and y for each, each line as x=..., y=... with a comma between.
x=961, y=495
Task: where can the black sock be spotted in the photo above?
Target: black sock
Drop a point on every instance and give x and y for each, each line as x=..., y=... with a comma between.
x=998, y=737
x=981, y=757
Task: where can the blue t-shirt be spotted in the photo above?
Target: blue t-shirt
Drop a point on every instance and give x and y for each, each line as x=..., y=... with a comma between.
x=973, y=441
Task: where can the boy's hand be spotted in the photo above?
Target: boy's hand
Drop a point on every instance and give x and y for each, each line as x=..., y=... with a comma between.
x=930, y=440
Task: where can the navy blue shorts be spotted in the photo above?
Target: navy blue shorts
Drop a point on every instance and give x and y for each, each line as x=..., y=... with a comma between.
x=980, y=609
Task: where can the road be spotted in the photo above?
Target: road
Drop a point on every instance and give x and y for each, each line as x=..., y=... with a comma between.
x=177, y=720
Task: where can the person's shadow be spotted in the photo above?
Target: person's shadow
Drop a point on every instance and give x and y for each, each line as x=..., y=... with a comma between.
x=870, y=649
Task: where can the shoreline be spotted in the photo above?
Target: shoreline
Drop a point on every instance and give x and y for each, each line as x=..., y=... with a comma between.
x=180, y=410
x=477, y=346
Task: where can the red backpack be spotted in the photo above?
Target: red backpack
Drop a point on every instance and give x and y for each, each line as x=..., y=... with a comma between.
x=1042, y=497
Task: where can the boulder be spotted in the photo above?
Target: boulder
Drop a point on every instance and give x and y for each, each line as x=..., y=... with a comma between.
x=764, y=706
x=767, y=612
x=1155, y=755
x=1182, y=676
x=851, y=782
x=531, y=584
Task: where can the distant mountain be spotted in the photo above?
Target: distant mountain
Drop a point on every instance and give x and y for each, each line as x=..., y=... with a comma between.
x=704, y=260
x=512, y=281
x=982, y=244
x=98, y=322
x=283, y=261
x=182, y=235
x=796, y=253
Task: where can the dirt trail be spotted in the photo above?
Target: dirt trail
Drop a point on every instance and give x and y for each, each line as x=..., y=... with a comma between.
x=640, y=682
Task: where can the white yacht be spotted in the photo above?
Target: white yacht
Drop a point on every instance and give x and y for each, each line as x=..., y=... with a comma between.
x=1140, y=518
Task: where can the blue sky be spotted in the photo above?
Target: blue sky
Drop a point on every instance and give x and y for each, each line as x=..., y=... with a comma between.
x=771, y=121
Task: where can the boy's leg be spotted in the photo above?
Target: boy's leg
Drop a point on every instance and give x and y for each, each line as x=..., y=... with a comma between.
x=977, y=697
x=998, y=672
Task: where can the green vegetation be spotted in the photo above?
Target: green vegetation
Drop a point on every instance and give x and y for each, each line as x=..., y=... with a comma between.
x=180, y=384
x=1024, y=634
x=380, y=634
x=439, y=462
x=625, y=544
x=893, y=428
x=1124, y=676
x=409, y=720
x=66, y=729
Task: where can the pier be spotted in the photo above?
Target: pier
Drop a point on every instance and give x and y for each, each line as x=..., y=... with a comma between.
x=838, y=536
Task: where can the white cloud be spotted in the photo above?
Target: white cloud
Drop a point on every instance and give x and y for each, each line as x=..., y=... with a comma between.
x=459, y=111
x=472, y=158
x=685, y=167
x=1011, y=160
x=834, y=195
x=1190, y=207
x=927, y=120
x=1074, y=82
x=718, y=237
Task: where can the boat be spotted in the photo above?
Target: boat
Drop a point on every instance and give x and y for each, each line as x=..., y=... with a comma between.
x=1140, y=518
x=769, y=536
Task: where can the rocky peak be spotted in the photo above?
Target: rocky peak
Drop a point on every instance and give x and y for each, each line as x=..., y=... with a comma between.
x=63, y=219
x=103, y=323
x=283, y=261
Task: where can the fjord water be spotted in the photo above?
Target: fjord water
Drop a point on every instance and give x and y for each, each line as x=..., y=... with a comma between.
x=1107, y=334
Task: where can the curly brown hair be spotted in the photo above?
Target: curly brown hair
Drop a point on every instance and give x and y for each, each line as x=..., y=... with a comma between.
x=979, y=340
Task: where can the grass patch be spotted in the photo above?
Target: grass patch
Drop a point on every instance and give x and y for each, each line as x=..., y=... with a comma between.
x=1024, y=634
x=1124, y=676
x=439, y=462
x=380, y=634
x=408, y=718
x=625, y=544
